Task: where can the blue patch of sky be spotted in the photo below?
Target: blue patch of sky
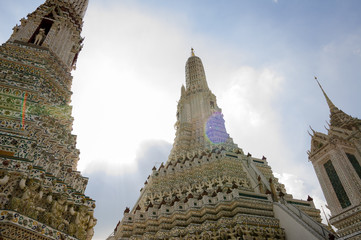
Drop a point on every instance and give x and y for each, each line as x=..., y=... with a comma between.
x=11, y=12
x=264, y=31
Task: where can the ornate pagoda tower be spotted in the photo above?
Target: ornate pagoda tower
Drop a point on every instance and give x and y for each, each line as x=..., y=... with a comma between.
x=41, y=191
x=336, y=158
x=210, y=189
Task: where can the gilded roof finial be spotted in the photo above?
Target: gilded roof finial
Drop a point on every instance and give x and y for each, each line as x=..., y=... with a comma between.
x=338, y=117
x=329, y=102
x=192, y=54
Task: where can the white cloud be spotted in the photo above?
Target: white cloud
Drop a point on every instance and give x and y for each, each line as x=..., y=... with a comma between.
x=251, y=114
x=127, y=85
x=125, y=88
x=294, y=185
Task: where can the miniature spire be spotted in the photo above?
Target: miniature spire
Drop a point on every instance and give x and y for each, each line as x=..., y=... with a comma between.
x=192, y=52
x=309, y=133
x=312, y=130
x=183, y=90
x=328, y=100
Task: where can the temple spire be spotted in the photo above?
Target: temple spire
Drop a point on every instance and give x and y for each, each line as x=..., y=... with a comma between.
x=36, y=128
x=200, y=124
x=330, y=104
x=55, y=26
x=337, y=117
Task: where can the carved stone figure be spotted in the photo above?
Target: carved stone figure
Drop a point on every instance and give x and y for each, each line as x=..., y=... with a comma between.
x=31, y=199
x=81, y=221
x=4, y=180
x=92, y=222
x=246, y=232
x=25, y=198
x=58, y=208
x=40, y=36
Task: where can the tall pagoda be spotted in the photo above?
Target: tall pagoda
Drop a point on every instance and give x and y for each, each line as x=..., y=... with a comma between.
x=41, y=191
x=336, y=158
x=209, y=189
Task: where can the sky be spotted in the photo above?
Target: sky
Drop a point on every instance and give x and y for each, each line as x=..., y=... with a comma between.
x=260, y=59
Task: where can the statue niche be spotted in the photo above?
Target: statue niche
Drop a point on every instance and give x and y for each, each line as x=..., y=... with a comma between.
x=42, y=31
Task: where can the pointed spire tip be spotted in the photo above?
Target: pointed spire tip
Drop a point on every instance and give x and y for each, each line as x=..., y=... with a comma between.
x=328, y=100
x=192, y=52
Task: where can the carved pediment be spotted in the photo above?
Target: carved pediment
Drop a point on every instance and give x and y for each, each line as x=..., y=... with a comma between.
x=316, y=145
x=319, y=140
